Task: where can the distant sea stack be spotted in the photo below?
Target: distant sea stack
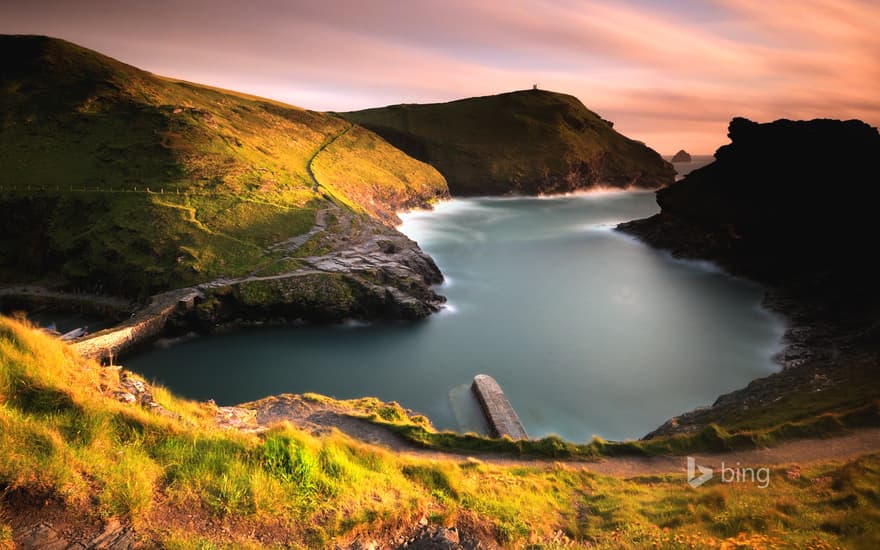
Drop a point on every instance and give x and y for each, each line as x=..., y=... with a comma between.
x=526, y=142
x=787, y=201
x=681, y=156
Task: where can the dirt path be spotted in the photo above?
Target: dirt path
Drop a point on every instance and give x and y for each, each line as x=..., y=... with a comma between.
x=321, y=418
x=328, y=143
x=802, y=451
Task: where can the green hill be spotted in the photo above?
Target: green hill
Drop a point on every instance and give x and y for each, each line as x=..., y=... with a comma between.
x=527, y=142
x=115, y=178
x=82, y=465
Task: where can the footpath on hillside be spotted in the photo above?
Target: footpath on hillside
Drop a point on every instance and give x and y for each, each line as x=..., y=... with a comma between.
x=322, y=417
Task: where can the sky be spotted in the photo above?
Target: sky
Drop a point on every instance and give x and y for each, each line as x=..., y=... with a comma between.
x=671, y=73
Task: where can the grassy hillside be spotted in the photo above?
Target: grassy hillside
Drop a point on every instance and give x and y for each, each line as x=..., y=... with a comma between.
x=521, y=142
x=74, y=453
x=114, y=177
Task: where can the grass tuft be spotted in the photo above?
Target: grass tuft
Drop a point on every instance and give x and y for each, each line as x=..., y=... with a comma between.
x=117, y=460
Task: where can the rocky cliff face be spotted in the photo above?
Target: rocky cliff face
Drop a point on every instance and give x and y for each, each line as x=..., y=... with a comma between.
x=783, y=201
x=791, y=204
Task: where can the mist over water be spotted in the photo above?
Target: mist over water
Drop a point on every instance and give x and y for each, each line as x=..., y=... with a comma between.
x=588, y=331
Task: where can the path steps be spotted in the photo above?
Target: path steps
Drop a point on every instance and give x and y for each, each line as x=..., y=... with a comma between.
x=502, y=419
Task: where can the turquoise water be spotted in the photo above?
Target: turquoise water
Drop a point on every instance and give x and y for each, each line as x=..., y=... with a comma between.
x=587, y=330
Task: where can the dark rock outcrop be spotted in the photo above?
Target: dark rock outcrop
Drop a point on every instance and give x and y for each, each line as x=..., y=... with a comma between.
x=793, y=206
x=784, y=201
x=682, y=156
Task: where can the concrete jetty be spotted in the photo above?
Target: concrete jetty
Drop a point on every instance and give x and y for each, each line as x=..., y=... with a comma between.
x=502, y=419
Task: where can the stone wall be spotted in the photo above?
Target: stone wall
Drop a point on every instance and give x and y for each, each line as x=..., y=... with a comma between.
x=147, y=324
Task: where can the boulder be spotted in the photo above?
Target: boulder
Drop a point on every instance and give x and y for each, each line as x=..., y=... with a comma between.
x=682, y=156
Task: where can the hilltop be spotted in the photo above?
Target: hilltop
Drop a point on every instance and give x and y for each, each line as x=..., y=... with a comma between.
x=525, y=142
x=115, y=180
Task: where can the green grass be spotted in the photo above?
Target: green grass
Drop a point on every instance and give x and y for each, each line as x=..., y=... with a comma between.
x=714, y=438
x=856, y=382
x=5, y=535
x=85, y=137
x=142, y=243
x=367, y=187
x=63, y=439
x=519, y=142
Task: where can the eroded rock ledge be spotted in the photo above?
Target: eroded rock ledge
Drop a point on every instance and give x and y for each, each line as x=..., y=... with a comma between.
x=370, y=271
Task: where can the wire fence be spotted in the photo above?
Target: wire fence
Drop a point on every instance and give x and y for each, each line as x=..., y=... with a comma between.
x=279, y=200
x=144, y=189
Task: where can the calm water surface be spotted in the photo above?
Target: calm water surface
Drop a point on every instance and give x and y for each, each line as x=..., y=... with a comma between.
x=587, y=330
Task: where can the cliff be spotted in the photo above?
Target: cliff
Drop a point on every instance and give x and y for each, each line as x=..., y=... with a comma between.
x=784, y=201
x=526, y=142
x=117, y=181
x=790, y=204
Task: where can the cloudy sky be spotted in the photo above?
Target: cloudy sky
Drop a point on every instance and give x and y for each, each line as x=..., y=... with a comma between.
x=668, y=72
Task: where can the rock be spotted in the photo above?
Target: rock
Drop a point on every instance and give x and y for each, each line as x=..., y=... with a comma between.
x=133, y=385
x=115, y=536
x=43, y=537
x=438, y=538
x=380, y=275
x=784, y=191
x=791, y=205
x=447, y=535
x=682, y=156
x=125, y=397
x=785, y=202
x=237, y=418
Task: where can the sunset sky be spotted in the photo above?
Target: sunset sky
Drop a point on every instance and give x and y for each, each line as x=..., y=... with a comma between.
x=668, y=72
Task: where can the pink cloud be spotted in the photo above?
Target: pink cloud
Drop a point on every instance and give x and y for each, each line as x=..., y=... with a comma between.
x=670, y=77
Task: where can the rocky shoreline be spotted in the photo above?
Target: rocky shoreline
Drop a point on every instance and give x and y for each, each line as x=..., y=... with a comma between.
x=371, y=271
x=812, y=344
x=755, y=213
